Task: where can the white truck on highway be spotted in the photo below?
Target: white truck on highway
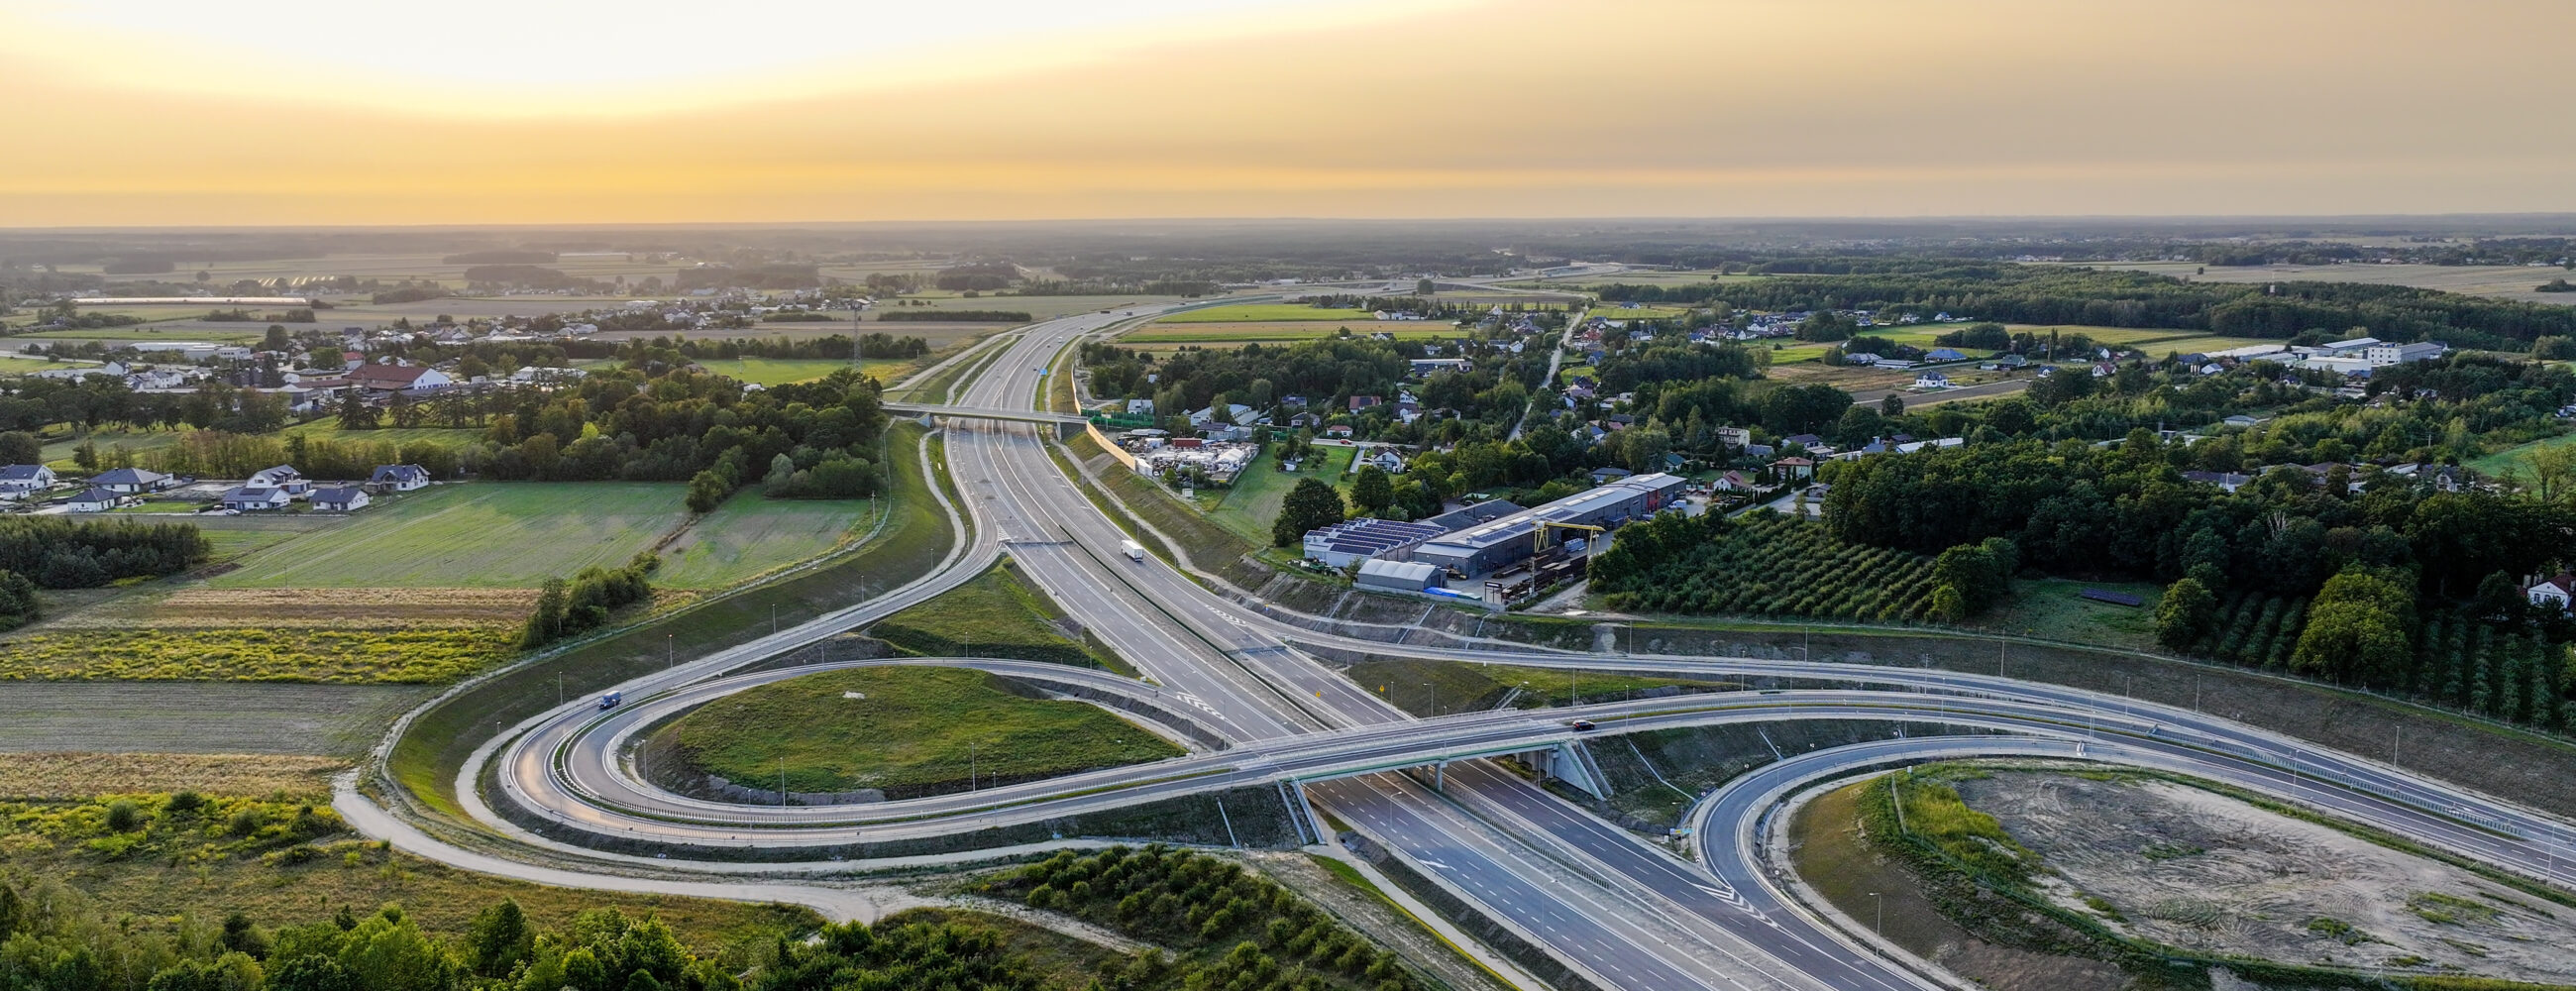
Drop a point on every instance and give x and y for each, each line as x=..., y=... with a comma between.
x=1134, y=551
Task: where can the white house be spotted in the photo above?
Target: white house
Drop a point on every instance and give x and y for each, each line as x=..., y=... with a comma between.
x=1931, y=380
x=340, y=499
x=95, y=500
x=397, y=478
x=283, y=478
x=2556, y=593
x=252, y=498
x=15, y=479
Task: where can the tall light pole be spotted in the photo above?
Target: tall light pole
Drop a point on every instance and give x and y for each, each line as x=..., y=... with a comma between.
x=1879, y=927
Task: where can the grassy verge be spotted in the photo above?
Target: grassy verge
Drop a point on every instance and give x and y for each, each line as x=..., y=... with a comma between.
x=1427, y=688
x=286, y=860
x=903, y=731
x=916, y=536
x=996, y=615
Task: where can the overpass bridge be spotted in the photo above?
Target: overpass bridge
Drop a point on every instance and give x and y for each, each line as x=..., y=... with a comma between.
x=1066, y=421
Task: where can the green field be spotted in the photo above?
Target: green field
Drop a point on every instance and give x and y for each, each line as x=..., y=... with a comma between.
x=2516, y=460
x=748, y=536
x=1252, y=504
x=60, y=440
x=328, y=427
x=1252, y=312
x=781, y=371
x=2049, y=607
x=1283, y=331
x=148, y=332
x=15, y=364
x=995, y=615
x=1617, y=312
x=908, y=731
x=493, y=534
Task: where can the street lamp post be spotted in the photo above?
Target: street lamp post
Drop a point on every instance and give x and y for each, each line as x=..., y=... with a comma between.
x=1880, y=926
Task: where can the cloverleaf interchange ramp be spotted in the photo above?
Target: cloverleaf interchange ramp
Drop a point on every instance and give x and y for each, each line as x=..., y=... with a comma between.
x=1246, y=685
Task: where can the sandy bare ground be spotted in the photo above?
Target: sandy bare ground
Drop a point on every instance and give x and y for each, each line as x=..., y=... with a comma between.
x=2194, y=869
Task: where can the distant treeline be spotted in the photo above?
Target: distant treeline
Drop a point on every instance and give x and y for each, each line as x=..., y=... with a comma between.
x=501, y=257
x=956, y=316
x=1106, y=287
x=531, y=276
x=59, y=553
x=774, y=276
x=2048, y=295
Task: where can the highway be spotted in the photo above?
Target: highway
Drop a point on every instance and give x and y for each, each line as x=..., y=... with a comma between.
x=1237, y=677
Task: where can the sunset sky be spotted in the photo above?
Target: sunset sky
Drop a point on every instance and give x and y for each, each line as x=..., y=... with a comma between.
x=156, y=112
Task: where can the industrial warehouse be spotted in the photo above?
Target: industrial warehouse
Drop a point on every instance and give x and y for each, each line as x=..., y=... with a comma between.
x=1479, y=541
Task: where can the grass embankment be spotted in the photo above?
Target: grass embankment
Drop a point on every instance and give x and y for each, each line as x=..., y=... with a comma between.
x=154, y=860
x=995, y=615
x=915, y=537
x=905, y=730
x=1235, y=927
x=1212, y=547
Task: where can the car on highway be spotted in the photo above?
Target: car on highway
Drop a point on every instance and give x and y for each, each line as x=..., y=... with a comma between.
x=610, y=700
x=1583, y=725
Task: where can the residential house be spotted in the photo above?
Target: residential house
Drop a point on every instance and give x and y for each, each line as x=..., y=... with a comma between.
x=1338, y=430
x=95, y=500
x=130, y=481
x=1735, y=481
x=1795, y=467
x=340, y=499
x=283, y=478
x=1931, y=380
x=1605, y=476
x=1802, y=440
x=1304, y=420
x=1736, y=437
x=1140, y=407
x=1386, y=459
x=1359, y=403
x=399, y=378
x=398, y=478
x=17, y=479
x=1945, y=354
x=2559, y=593
x=1861, y=358
x=253, y=498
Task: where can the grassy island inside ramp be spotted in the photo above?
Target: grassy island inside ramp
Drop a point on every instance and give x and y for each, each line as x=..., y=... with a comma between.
x=905, y=730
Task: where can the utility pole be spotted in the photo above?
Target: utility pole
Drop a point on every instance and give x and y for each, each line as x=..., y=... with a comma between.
x=1434, y=688
x=671, y=649
x=1880, y=927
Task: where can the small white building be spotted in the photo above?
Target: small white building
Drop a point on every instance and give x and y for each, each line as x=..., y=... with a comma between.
x=339, y=499
x=399, y=478
x=283, y=478
x=2556, y=593
x=254, y=498
x=1931, y=380
x=94, y=500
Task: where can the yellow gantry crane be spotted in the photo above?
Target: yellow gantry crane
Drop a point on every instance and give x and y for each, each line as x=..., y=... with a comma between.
x=1539, y=534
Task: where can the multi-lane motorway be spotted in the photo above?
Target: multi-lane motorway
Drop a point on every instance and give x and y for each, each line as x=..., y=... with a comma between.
x=1238, y=682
